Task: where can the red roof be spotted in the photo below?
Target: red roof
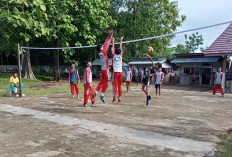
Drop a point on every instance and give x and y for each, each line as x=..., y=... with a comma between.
x=223, y=44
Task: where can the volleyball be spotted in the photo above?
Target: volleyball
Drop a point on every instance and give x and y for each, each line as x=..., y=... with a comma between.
x=149, y=49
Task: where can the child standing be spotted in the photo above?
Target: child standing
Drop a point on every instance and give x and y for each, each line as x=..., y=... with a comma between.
x=218, y=82
x=117, y=70
x=104, y=83
x=74, y=79
x=88, y=86
x=128, y=79
x=159, y=77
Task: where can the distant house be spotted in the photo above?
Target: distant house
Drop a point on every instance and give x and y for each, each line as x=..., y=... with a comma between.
x=144, y=62
x=196, y=68
x=222, y=46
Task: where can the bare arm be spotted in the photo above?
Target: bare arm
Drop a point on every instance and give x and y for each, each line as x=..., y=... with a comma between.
x=78, y=77
x=121, y=39
x=147, y=55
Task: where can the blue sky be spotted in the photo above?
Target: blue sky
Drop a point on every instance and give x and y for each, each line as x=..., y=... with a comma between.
x=201, y=13
x=204, y=12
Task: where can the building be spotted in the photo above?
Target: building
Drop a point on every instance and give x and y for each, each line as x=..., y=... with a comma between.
x=144, y=62
x=196, y=68
x=222, y=47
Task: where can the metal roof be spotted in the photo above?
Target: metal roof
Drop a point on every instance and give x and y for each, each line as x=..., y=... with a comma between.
x=196, y=60
x=98, y=62
x=223, y=44
x=164, y=63
x=144, y=62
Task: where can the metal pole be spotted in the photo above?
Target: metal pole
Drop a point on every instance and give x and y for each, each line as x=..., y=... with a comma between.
x=19, y=71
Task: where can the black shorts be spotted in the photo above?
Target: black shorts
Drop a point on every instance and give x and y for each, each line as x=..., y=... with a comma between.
x=146, y=81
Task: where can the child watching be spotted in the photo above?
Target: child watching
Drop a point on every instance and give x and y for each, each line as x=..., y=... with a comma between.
x=74, y=79
x=159, y=77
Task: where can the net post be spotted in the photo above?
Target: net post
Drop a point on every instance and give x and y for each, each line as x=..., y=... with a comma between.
x=19, y=71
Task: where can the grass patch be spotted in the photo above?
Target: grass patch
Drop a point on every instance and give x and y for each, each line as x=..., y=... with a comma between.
x=61, y=89
x=225, y=146
x=41, y=78
x=5, y=80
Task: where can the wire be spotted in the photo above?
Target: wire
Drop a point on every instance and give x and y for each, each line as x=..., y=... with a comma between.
x=131, y=41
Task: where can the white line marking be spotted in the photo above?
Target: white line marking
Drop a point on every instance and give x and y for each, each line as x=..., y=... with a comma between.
x=151, y=138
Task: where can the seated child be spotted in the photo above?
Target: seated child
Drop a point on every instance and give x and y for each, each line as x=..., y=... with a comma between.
x=14, y=83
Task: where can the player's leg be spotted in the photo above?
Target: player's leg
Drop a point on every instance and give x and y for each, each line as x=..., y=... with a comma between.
x=222, y=90
x=91, y=91
x=159, y=90
x=72, y=89
x=143, y=88
x=86, y=95
x=120, y=79
x=115, y=86
x=215, y=89
x=77, y=89
x=156, y=90
x=106, y=81
x=148, y=93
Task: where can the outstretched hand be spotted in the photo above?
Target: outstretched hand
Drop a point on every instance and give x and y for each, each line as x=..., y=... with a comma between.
x=111, y=33
x=122, y=37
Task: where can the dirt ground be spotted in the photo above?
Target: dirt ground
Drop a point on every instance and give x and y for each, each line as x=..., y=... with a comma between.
x=180, y=112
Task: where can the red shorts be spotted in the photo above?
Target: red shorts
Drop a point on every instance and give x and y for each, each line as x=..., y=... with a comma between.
x=128, y=82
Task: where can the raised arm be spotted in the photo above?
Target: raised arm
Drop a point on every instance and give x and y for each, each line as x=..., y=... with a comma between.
x=108, y=41
x=147, y=55
x=121, y=39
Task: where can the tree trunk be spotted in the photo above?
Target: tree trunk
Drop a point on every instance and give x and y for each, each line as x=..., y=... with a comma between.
x=27, y=60
x=56, y=65
x=1, y=59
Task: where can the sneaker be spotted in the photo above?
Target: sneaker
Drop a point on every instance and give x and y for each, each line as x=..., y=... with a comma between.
x=102, y=99
x=93, y=104
x=119, y=100
x=85, y=105
x=23, y=95
x=16, y=95
x=94, y=95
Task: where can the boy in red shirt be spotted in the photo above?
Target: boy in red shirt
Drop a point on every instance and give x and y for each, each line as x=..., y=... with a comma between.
x=88, y=86
x=104, y=83
x=128, y=79
x=117, y=70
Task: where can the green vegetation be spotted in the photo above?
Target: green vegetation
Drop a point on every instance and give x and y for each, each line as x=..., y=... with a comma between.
x=226, y=146
x=192, y=43
x=50, y=23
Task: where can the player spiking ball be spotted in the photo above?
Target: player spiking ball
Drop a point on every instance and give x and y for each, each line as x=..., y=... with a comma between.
x=104, y=83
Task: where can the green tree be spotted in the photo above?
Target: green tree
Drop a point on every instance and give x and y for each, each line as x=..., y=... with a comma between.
x=55, y=24
x=145, y=18
x=180, y=49
x=193, y=42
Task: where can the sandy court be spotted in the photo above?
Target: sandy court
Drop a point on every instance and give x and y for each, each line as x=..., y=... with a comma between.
x=179, y=114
